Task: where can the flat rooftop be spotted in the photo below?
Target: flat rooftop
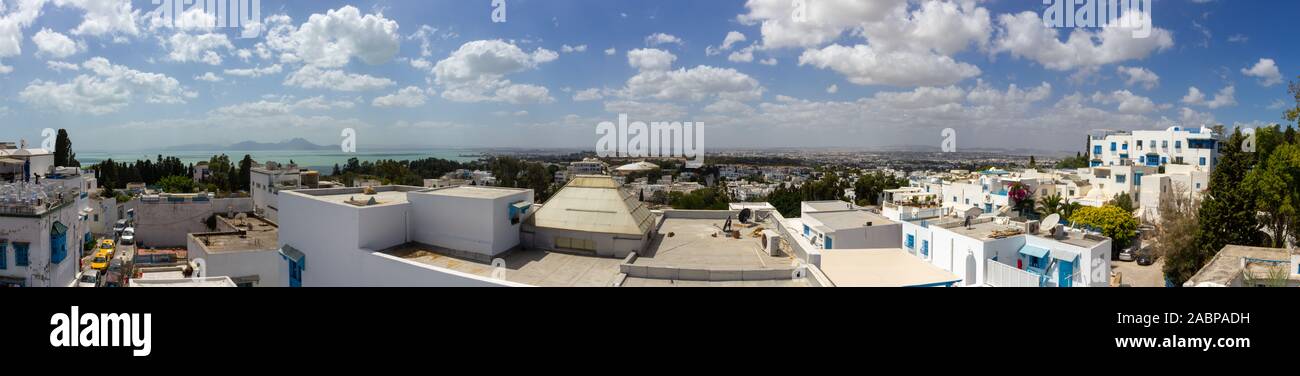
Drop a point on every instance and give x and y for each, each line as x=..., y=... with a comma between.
x=889, y=267
x=843, y=220
x=830, y=205
x=693, y=245
x=1227, y=265
x=650, y=282
x=531, y=267
x=357, y=197
x=252, y=234
x=476, y=192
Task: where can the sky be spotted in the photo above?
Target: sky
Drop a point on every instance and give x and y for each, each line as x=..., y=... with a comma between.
x=120, y=75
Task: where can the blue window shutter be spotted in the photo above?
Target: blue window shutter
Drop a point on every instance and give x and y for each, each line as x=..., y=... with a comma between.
x=20, y=254
x=4, y=258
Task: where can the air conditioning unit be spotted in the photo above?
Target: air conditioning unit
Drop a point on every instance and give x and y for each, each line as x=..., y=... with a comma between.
x=772, y=243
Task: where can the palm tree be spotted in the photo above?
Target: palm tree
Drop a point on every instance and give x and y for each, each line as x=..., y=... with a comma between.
x=1053, y=204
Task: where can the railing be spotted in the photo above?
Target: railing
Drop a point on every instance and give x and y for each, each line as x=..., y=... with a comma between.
x=1002, y=275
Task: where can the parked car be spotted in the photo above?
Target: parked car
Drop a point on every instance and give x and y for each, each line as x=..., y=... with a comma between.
x=89, y=278
x=107, y=244
x=128, y=236
x=119, y=227
x=1146, y=257
x=1128, y=254
x=116, y=275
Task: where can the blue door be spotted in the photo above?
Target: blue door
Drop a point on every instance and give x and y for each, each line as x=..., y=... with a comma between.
x=295, y=274
x=1065, y=274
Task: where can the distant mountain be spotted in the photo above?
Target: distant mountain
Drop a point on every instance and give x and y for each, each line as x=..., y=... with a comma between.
x=290, y=145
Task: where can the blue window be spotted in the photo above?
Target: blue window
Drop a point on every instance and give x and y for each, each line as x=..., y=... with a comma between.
x=1202, y=161
x=1142, y=159
x=807, y=231
x=1121, y=179
x=1137, y=179
x=1096, y=150
x=1125, y=146
x=1164, y=160
x=4, y=256
x=925, y=248
x=58, y=242
x=830, y=243
x=1178, y=144
x=911, y=241
x=1113, y=146
x=20, y=254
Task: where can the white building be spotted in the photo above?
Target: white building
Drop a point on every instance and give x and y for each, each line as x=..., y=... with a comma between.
x=266, y=183
x=43, y=229
x=345, y=236
x=588, y=166
x=1176, y=145
x=840, y=225
x=245, y=249
x=20, y=163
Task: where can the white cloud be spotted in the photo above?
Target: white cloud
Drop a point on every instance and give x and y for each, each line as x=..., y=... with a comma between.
x=1139, y=76
x=60, y=66
x=12, y=24
x=202, y=48
x=732, y=38
x=649, y=59
x=107, y=89
x=425, y=35
x=833, y=89
x=209, y=77
x=1127, y=102
x=592, y=94
x=476, y=73
x=1226, y=97
x=768, y=61
x=1024, y=36
x=825, y=20
x=333, y=39
x=571, y=49
x=409, y=97
x=254, y=72
x=662, y=38
x=311, y=77
x=1266, y=71
x=863, y=65
x=105, y=17
x=745, y=55
x=696, y=84
x=55, y=45
x=611, y=51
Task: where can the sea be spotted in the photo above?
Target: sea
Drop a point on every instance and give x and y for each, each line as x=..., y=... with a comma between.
x=320, y=160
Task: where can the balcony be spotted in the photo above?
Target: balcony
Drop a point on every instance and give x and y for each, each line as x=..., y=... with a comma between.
x=1002, y=275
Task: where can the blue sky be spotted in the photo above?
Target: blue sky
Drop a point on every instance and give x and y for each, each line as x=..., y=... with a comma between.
x=853, y=74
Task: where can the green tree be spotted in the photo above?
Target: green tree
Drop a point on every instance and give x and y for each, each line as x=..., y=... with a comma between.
x=1053, y=204
x=1177, y=233
x=1276, y=184
x=63, y=156
x=1114, y=222
x=1228, y=210
x=1124, y=201
x=176, y=184
x=245, y=171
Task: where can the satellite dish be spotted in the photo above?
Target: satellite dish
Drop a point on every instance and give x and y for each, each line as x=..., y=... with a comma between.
x=1052, y=220
x=745, y=215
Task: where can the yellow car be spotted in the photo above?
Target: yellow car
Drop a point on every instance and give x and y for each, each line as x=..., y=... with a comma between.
x=107, y=244
x=100, y=262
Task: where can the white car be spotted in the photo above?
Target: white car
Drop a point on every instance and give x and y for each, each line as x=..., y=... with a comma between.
x=119, y=227
x=128, y=236
x=89, y=278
